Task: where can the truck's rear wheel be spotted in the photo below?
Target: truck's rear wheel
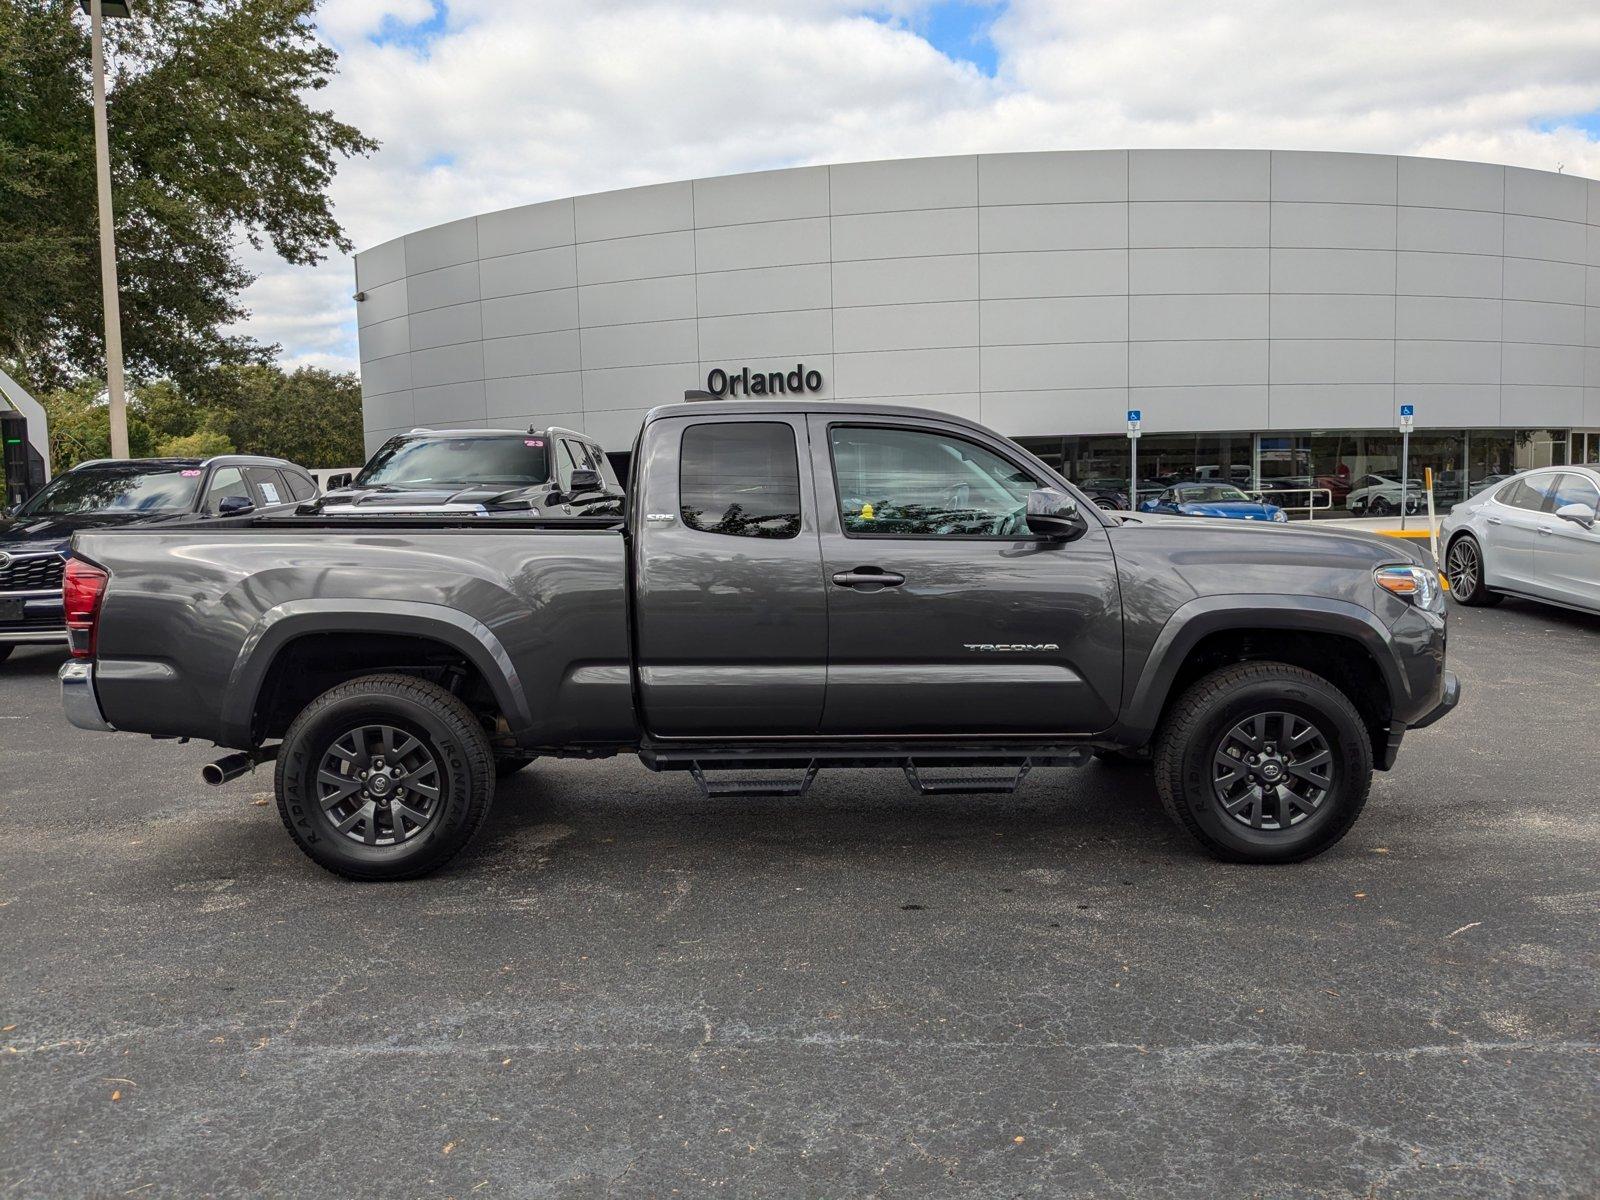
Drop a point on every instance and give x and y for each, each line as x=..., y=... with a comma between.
x=384, y=777
x=1264, y=762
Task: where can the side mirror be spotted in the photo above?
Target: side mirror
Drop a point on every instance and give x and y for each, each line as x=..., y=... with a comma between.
x=585, y=480
x=1054, y=515
x=1578, y=514
x=235, y=506
x=341, y=480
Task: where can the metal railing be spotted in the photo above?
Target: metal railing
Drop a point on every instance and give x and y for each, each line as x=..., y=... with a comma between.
x=1311, y=507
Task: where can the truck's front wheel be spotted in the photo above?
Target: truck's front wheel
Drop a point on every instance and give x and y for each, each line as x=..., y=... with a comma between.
x=1264, y=762
x=384, y=777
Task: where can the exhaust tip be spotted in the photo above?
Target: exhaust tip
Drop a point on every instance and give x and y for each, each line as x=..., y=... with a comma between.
x=212, y=774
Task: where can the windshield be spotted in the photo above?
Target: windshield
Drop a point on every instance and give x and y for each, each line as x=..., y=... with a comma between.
x=1219, y=493
x=426, y=462
x=116, y=490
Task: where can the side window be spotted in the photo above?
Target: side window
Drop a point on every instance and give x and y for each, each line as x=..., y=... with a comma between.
x=225, y=482
x=909, y=482
x=1574, y=489
x=269, y=485
x=300, y=486
x=1530, y=492
x=740, y=478
x=563, y=457
x=578, y=454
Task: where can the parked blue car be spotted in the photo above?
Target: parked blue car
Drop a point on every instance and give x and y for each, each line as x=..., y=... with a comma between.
x=1213, y=500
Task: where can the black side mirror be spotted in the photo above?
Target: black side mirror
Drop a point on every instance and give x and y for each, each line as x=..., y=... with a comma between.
x=339, y=481
x=1054, y=515
x=235, y=506
x=585, y=480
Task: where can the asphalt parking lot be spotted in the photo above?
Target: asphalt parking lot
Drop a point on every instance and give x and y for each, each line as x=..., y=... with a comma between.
x=624, y=989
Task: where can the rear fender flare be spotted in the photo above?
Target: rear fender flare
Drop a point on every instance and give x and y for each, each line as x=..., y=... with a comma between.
x=1219, y=614
x=280, y=625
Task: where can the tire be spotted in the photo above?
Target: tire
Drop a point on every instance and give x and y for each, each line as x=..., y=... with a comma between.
x=1380, y=508
x=432, y=736
x=1199, y=729
x=1105, y=503
x=5, y=652
x=506, y=767
x=1463, y=567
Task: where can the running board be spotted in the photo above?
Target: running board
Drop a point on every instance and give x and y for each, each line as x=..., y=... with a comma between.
x=949, y=785
x=769, y=789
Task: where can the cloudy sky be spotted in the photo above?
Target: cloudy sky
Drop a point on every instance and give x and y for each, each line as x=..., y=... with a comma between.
x=482, y=104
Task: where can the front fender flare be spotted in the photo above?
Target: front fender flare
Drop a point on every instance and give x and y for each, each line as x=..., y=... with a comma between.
x=282, y=624
x=1206, y=615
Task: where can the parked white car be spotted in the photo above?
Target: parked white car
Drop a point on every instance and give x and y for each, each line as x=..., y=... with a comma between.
x=1379, y=496
x=1535, y=535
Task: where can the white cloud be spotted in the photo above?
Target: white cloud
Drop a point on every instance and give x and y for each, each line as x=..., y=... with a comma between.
x=516, y=103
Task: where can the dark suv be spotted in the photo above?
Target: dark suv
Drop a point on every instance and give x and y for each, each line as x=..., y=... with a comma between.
x=549, y=472
x=106, y=492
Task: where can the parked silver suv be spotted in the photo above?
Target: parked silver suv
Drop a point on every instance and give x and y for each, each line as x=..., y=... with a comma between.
x=1535, y=535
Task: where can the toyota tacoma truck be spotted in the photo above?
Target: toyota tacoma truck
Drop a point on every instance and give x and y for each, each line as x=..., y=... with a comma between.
x=791, y=587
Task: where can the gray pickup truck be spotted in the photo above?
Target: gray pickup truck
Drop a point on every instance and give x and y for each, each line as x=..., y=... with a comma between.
x=792, y=586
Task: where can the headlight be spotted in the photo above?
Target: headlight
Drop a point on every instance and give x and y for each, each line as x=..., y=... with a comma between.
x=1415, y=585
x=1281, y=517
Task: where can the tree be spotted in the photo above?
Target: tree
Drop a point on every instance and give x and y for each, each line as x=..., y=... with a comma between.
x=202, y=444
x=211, y=136
x=309, y=416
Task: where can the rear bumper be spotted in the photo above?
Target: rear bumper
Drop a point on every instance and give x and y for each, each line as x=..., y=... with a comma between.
x=79, y=699
x=1447, y=701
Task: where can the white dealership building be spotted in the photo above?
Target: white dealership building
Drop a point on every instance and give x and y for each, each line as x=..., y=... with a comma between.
x=1267, y=312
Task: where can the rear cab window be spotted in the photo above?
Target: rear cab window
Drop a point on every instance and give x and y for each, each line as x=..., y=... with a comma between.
x=740, y=479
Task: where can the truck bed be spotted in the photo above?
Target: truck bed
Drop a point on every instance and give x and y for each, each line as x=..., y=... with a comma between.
x=195, y=617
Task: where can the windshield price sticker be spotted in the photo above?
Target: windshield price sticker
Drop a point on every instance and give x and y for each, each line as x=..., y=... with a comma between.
x=190, y=474
x=537, y=443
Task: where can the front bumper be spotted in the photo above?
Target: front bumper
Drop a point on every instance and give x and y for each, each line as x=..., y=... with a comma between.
x=42, y=621
x=79, y=699
x=1447, y=701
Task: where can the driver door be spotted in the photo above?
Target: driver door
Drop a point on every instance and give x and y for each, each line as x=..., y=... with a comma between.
x=945, y=615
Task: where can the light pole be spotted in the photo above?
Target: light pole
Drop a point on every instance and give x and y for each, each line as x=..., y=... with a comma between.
x=97, y=10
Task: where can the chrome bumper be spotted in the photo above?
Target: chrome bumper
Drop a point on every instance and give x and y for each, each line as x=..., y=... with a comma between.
x=78, y=698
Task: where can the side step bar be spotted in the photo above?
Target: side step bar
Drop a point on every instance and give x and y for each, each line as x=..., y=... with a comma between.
x=946, y=785
x=770, y=789
x=1003, y=783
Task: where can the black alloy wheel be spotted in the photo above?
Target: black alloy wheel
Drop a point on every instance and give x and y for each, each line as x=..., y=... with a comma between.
x=1264, y=762
x=384, y=777
x=379, y=785
x=1272, y=770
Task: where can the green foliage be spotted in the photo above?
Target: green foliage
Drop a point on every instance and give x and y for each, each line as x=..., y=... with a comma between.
x=203, y=444
x=211, y=135
x=308, y=416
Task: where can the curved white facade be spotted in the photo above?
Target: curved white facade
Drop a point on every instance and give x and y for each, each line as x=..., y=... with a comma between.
x=1044, y=294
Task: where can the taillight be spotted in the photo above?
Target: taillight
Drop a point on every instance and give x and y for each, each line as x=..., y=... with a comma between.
x=82, y=588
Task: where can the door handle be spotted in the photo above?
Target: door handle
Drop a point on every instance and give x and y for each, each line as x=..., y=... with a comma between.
x=868, y=579
x=1545, y=531
x=1494, y=520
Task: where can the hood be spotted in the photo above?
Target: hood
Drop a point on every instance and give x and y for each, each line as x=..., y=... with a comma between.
x=377, y=499
x=1298, y=538
x=47, y=532
x=1246, y=509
